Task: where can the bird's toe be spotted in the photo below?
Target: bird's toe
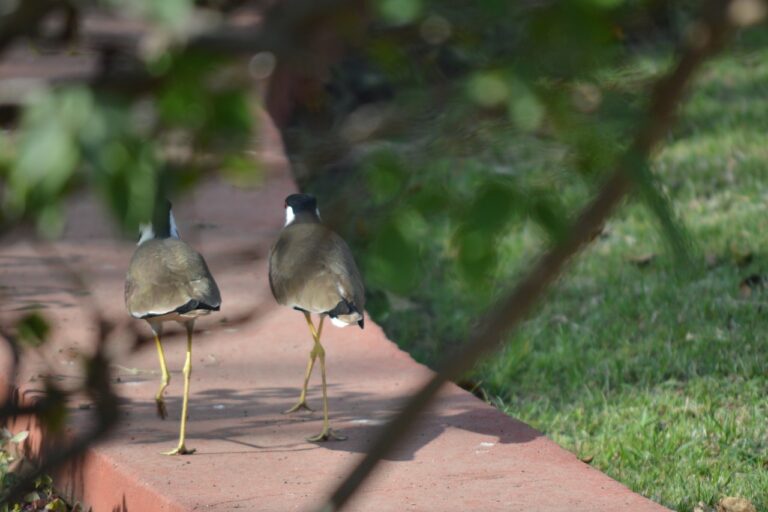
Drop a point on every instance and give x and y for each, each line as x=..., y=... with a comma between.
x=180, y=450
x=327, y=435
x=299, y=405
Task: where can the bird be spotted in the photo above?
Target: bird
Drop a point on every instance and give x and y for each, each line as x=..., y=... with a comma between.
x=167, y=280
x=312, y=270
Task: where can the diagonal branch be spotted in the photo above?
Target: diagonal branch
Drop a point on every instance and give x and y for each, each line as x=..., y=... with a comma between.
x=714, y=28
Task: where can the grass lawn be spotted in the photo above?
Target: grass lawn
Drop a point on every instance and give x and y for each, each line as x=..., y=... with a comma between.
x=657, y=373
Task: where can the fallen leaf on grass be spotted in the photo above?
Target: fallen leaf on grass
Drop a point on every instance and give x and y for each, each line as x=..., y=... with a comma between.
x=742, y=259
x=734, y=504
x=750, y=283
x=712, y=260
x=643, y=260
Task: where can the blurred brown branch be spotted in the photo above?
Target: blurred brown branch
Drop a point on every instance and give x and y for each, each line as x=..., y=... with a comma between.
x=710, y=35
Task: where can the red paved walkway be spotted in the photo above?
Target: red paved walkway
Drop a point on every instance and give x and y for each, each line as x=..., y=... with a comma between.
x=465, y=455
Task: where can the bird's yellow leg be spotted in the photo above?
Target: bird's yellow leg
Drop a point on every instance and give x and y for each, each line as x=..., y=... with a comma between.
x=302, y=403
x=166, y=379
x=326, y=433
x=181, y=449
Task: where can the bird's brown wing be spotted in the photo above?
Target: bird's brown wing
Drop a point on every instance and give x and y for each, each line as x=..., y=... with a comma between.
x=165, y=275
x=312, y=268
x=341, y=264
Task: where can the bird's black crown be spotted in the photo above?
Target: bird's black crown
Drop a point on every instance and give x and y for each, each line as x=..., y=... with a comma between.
x=301, y=203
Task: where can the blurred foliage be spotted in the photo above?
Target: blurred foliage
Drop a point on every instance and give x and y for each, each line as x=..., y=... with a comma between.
x=469, y=187
x=154, y=117
x=33, y=329
x=626, y=341
x=169, y=14
x=130, y=146
x=42, y=497
x=467, y=122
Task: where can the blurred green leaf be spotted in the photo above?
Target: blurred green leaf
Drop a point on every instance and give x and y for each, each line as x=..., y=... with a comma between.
x=44, y=482
x=57, y=505
x=31, y=497
x=243, y=171
x=386, y=176
x=50, y=220
x=492, y=207
x=54, y=417
x=481, y=225
x=550, y=214
x=393, y=261
x=229, y=121
x=173, y=13
x=33, y=329
x=571, y=38
x=19, y=437
x=399, y=12
x=525, y=109
x=183, y=102
x=430, y=200
x=170, y=14
x=605, y=4
x=488, y=89
x=477, y=256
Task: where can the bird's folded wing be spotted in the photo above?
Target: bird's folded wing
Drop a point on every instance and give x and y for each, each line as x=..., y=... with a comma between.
x=165, y=275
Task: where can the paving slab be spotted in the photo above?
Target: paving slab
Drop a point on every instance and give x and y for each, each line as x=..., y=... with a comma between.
x=463, y=455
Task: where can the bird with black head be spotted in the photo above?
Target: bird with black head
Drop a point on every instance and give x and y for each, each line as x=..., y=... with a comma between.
x=311, y=269
x=167, y=280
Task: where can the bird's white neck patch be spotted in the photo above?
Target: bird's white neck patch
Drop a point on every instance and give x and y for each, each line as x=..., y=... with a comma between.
x=147, y=233
x=174, y=228
x=289, y=215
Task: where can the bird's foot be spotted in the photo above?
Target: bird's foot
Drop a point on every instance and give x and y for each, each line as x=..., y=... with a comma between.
x=162, y=412
x=301, y=404
x=327, y=435
x=180, y=450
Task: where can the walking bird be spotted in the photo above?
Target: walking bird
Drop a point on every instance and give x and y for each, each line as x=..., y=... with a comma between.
x=311, y=269
x=167, y=280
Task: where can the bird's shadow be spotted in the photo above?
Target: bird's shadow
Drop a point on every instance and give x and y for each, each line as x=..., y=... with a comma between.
x=243, y=417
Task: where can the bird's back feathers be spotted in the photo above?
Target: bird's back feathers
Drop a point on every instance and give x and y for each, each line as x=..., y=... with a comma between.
x=311, y=268
x=167, y=276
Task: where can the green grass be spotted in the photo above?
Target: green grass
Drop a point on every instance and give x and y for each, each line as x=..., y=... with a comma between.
x=656, y=372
